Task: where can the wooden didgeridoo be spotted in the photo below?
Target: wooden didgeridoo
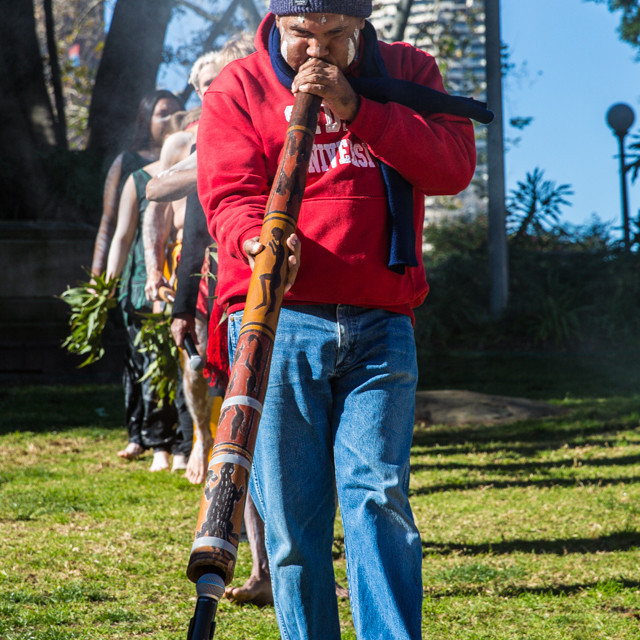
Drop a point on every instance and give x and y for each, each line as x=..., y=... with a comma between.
x=213, y=554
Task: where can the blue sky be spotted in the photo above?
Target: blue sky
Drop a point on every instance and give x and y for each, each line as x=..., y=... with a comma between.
x=570, y=68
x=576, y=69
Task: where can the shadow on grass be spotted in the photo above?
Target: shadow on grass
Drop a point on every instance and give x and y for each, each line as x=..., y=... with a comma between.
x=524, y=437
x=42, y=409
x=546, y=483
x=621, y=541
x=515, y=467
x=524, y=450
x=558, y=590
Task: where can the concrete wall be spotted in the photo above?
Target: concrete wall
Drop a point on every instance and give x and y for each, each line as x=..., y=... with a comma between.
x=38, y=260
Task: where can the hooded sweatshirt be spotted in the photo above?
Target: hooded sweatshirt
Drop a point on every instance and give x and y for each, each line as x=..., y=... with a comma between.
x=342, y=225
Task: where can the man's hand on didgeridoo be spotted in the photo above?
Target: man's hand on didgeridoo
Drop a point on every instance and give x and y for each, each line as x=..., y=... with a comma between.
x=252, y=248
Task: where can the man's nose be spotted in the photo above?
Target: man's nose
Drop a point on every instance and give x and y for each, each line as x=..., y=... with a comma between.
x=316, y=49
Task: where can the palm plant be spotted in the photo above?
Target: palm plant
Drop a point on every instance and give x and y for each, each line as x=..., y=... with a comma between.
x=634, y=152
x=534, y=207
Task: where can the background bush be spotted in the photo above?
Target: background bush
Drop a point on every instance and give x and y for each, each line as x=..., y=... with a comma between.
x=570, y=290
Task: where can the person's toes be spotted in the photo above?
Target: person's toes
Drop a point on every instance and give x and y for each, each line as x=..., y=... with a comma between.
x=196, y=469
x=179, y=462
x=160, y=461
x=191, y=476
x=254, y=591
x=132, y=451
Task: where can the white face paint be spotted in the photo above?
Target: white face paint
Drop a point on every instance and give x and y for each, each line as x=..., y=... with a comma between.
x=353, y=41
x=301, y=33
x=285, y=40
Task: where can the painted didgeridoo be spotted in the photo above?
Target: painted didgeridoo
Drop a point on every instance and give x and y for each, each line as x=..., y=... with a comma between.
x=213, y=554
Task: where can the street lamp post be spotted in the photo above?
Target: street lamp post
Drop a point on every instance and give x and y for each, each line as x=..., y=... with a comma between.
x=620, y=117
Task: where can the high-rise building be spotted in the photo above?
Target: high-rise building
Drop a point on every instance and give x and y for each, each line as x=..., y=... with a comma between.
x=453, y=32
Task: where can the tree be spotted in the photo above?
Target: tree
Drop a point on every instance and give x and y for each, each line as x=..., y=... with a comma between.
x=76, y=40
x=49, y=167
x=127, y=70
x=629, y=28
x=27, y=125
x=40, y=178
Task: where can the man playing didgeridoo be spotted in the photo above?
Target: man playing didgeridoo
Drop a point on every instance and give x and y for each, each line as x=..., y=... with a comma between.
x=339, y=408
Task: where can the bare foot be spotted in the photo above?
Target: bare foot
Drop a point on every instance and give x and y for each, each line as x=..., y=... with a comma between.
x=179, y=462
x=254, y=591
x=160, y=461
x=199, y=459
x=132, y=451
x=341, y=592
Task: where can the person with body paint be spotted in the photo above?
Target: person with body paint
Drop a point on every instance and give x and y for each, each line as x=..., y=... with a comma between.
x=153, y=119
x=191, y=307
x=339, y=406
x=157, y=421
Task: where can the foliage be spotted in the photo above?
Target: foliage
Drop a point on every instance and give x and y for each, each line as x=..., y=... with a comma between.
x=529, y=530
x=78, y=28
x=571, y=288
x=634, y=151
x=155, y=339
x=629, y=28
x=454, y=261
x=520, y=123
x=534, y=207
x=90, y=303
x=510, y=73
x=78, y=82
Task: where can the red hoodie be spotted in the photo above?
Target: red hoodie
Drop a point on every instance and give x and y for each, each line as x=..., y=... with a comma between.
x=343, y=220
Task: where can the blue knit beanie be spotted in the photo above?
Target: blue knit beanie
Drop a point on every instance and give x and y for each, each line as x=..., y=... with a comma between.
x=355, y=8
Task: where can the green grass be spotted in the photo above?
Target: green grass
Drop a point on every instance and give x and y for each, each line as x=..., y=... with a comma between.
x=530, y=530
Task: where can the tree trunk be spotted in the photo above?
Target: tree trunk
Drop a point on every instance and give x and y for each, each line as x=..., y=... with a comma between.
x=216, y=30
x=60, y=123
x=127, y=71
x=401, y=20
x=27, y=123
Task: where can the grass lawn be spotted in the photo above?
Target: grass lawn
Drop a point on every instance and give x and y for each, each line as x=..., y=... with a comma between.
x=530, y=530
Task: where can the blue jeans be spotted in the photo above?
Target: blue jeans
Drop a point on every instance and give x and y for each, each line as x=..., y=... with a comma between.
x=339, y=412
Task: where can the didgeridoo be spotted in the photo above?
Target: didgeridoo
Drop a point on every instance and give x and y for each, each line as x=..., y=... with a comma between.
x=213, y=554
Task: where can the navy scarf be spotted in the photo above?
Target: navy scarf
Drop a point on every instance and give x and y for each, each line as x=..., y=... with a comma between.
x=375, y=83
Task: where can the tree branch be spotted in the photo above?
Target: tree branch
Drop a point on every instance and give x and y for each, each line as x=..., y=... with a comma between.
x=59, y=124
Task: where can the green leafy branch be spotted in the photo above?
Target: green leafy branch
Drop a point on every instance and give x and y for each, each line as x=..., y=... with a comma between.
x=90, y=303
x=155, y=339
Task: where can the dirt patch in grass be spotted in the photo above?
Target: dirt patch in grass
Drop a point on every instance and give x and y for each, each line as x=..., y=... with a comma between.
x=464, y=407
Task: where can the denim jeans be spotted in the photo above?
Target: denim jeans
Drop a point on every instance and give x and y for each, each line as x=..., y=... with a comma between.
x=339, y=412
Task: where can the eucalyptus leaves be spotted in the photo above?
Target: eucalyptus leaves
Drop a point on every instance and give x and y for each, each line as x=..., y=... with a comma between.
x=90, y=303
x=155, y=339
